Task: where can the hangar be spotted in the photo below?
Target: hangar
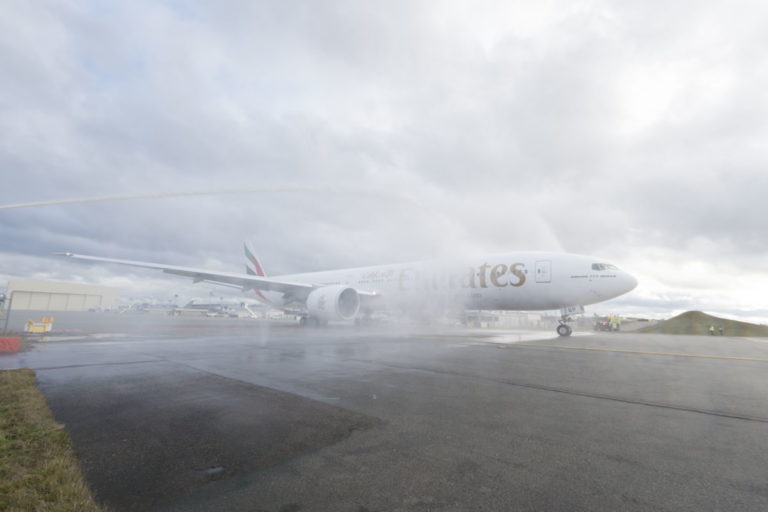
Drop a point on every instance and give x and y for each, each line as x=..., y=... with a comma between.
x=33, y=295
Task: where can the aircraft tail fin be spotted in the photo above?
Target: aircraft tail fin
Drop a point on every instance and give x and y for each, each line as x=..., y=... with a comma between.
x=252, y=264
x=253, y=267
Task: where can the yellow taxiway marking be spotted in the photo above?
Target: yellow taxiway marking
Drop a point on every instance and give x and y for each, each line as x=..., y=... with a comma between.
x=642, y=352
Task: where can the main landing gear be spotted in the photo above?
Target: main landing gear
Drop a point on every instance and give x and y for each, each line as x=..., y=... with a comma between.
x=311, y=321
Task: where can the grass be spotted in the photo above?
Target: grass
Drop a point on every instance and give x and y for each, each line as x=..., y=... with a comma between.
x=38, y=471
x=696, y=322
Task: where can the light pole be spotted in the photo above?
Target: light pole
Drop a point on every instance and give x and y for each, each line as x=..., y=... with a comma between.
x=8, y=313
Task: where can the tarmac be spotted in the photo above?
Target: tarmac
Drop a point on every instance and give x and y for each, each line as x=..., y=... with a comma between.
x=241, y=415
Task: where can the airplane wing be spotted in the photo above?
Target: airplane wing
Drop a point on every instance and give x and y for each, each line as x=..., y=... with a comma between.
x=244, y=281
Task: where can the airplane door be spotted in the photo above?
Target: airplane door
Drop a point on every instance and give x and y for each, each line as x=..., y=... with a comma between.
x=543, y=271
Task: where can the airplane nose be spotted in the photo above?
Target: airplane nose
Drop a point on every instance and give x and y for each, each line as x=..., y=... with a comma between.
x=631, y=281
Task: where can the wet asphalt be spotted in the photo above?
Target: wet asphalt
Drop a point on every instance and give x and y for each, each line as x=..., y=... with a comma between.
x=240, y=416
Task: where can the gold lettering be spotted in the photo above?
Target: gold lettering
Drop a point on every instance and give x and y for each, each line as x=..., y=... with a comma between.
x=405, y=277
x=428, y=280
x=435, y=279
x=469, y=278
x=453, y=280
x=518, y=270
x=481, y=273
x=496, y=273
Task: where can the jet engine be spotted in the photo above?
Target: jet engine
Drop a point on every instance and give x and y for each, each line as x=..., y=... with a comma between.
x=333, y=302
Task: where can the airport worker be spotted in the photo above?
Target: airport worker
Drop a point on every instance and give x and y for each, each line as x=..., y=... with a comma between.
x=711, y=330
x=720, y=330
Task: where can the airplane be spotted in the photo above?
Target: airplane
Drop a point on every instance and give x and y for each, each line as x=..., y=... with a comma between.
x=518, y=281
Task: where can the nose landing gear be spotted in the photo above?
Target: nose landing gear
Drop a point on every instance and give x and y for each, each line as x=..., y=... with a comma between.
x=563, y=329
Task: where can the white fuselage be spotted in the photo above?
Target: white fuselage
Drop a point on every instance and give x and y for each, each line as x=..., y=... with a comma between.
x=511, y=281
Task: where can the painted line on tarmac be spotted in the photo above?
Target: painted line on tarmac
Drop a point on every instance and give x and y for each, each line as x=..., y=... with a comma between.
x=643, y=352
x=85, y=365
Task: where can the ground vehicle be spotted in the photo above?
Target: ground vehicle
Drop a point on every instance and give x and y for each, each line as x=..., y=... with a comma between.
x=602, y=323
x=609, y=323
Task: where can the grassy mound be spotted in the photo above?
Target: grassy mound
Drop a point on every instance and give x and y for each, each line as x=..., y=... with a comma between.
x=696, y=322
x=37, y=468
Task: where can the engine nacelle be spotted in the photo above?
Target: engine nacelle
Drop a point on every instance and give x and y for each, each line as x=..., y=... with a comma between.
x=333, y=302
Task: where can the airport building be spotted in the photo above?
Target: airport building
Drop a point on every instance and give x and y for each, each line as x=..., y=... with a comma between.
x=33, y=295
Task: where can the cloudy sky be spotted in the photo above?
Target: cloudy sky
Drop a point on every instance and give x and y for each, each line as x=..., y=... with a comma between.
x=362, y=132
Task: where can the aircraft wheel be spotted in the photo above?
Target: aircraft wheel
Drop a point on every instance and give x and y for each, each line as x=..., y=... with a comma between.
x=564, y=330
x=303, y=321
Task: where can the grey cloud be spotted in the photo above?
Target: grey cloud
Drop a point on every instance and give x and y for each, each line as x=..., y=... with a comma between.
x=602, y=130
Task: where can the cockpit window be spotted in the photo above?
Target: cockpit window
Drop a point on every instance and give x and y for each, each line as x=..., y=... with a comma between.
x=604, y=266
